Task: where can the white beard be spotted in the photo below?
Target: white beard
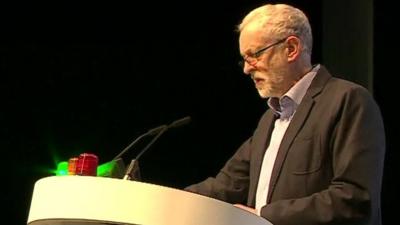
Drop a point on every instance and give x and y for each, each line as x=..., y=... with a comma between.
x=263, y=92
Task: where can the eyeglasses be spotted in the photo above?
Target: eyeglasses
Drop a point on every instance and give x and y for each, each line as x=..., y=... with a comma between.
x=252, y=59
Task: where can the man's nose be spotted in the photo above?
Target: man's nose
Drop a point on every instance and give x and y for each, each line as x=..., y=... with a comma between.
x=248, y=68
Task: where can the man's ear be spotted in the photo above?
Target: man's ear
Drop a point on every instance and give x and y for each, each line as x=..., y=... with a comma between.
x=294, y=48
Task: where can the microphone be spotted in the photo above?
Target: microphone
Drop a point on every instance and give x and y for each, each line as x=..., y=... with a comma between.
x=133, y=173
x=180, y=122
x=176, y=123
x=150, y=132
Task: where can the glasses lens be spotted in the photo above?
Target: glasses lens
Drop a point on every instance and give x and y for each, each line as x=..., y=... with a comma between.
x=249, y=60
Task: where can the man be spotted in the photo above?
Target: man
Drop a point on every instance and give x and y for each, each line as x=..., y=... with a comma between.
x=316, y=156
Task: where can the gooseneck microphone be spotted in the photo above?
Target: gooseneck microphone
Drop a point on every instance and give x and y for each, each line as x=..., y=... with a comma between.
x=150, y=132
x=132, y=172
x=180, y=122
x=176, y=123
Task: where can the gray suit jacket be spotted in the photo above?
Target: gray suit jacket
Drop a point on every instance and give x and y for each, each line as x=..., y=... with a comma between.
x=329, y=166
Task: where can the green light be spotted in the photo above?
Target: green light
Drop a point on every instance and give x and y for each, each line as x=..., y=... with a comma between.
x=105, y=169
x=62, y=169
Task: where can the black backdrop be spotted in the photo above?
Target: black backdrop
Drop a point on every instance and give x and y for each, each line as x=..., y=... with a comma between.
x=91, y=78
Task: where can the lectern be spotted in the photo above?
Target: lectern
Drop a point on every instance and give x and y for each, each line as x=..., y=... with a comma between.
x=86, y=200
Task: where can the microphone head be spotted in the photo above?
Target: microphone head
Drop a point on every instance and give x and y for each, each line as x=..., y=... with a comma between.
x=156, y=130
x=180, y=122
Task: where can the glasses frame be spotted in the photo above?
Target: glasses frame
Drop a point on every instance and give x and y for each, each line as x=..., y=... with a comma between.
x=252, y=59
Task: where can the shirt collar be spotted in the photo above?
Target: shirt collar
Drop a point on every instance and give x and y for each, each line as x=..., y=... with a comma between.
x=286, y=105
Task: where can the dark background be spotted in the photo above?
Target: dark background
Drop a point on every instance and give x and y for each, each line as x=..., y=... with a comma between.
x=90, y=78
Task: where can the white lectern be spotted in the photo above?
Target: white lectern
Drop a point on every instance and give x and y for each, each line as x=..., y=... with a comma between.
x=73, y=200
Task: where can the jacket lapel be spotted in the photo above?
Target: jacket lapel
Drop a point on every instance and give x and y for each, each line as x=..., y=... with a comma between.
x=297, y=122
x=291, y=132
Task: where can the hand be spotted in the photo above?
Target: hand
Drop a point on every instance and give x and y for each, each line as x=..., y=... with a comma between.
x=248, y=209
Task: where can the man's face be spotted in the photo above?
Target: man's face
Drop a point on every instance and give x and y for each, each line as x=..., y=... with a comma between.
x=267, y=68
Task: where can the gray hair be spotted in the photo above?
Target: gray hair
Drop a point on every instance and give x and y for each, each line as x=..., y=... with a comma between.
x=280, y=21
